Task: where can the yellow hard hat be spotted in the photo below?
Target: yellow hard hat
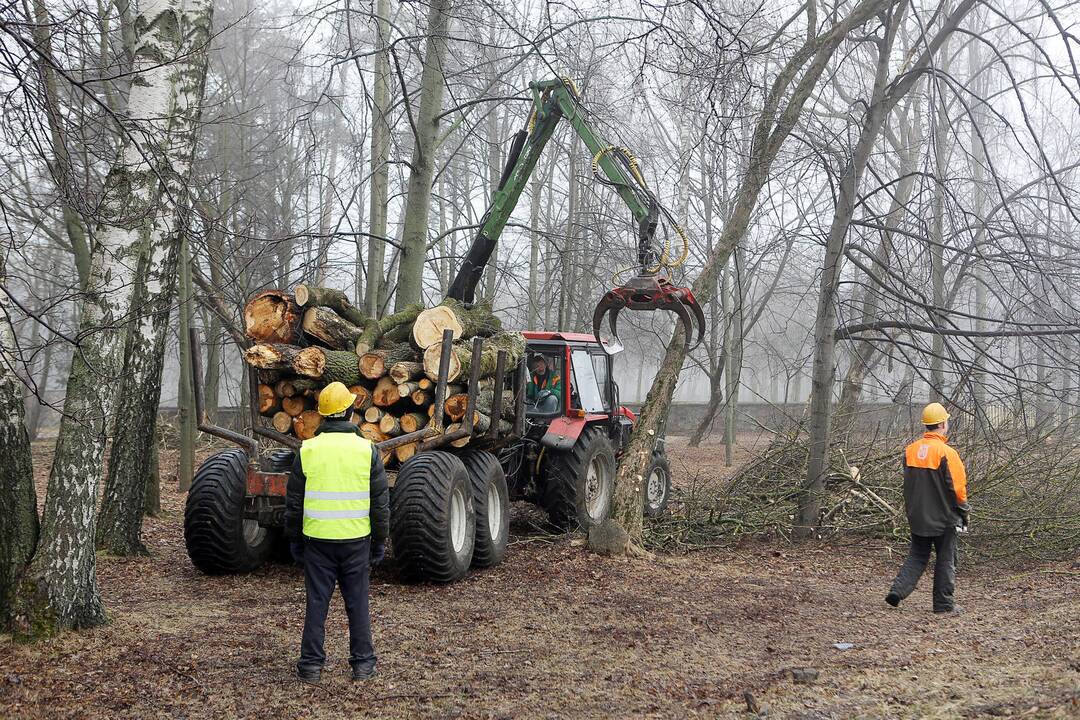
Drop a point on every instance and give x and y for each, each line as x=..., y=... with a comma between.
x=335, y=398
x=934, y=414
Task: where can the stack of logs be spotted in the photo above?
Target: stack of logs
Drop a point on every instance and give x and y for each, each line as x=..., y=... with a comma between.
x=305, y=340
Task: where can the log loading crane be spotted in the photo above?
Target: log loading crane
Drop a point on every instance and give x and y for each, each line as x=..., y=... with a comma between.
x=649, y=289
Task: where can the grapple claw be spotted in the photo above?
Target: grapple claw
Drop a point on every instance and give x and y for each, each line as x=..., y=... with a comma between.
x=649, y=291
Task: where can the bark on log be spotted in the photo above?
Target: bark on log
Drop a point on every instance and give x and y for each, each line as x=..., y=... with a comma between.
x=336, y=300
x=482, y=423
x=373, y=414
x=305, y=425
x=374, y=329
x=285, y=388
x=295, y=405
x=411, y=422
x=268, y=402
x=373, y=433
x=512, y=342
x=460, y=442
x=422, y=398
x=403, y=372
x=267, y=377
x=341, y=366
x=309, y=362
x=385, y=393
x=282, y=421
x=373, y=365
x=390, y=425
x=330, y=329
x=485, y=401
x=306, y=386
x=272, y=317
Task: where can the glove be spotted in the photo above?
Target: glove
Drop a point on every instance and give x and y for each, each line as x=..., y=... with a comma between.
x=378, y=553
x=964, y=518
x=296, y=547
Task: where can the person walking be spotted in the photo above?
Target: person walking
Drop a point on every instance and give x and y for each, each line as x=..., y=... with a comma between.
x=935, y=499
x=337, y=518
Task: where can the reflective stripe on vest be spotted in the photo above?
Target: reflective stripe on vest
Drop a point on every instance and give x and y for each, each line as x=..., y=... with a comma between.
x=337, y=494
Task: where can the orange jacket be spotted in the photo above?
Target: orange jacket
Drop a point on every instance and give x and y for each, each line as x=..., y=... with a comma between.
x=935, y=485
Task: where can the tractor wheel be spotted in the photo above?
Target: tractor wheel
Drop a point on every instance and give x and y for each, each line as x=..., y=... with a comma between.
x=219, y=539
x=491, y=499
x=432, y=519
x=657, y=488
x=579, y=484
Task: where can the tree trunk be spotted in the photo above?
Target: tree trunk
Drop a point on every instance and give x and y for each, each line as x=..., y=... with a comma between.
x=821, y=385
x=380, y=155
x=410, y=278
x=772, y=129
x=152, y=496
x=185, y=470
x=60, y=588
x=132, y=451
x=18, y=498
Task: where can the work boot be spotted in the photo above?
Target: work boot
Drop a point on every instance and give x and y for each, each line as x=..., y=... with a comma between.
x=363, y=672
x=893, y=599
x=954, y=610
x=309, y=675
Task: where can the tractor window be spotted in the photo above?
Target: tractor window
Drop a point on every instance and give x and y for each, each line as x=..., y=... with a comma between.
x=544, y=391
x=588, y=391
x=600, y=369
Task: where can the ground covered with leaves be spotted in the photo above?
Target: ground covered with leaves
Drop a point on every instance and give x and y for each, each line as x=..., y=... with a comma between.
x=556, y=632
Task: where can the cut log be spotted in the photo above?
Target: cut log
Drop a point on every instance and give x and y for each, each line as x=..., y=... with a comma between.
x=422, y=398
x=295, y=405
x=306, y=386
x=282, y=421
x=309, y=362
x=373, y=414
x=374, y=364
x=430, y=324
x=411, y=422
x=390, y=425
x=385, y=393
x=363, y=398
x=373, y=433
x=336, y=300
x=342, y=367
x=272, y=317
x=460, y=442
x=484, y=402
x=406, y=389
x=404, y=452
x=268, y=401
x=306, y=423
x=476, y=321
x=403, y=372
x=482, y=423
x=374, y=329
x=455, y=406
x=330, y=329
x=268, y=377
x=285, y=388
x=461, y=356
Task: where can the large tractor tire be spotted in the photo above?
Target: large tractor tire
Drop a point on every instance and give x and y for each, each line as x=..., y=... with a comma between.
x=579, y=484
x=280, y=461
x=657, y=488
x=432, y=518
x=219, y=539
x=491, y=500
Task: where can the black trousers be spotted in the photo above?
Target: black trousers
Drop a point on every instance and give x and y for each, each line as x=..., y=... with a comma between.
x=944, y=568
x=346, y=564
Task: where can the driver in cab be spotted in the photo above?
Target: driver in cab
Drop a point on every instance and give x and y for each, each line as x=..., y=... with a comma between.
x=543, y=377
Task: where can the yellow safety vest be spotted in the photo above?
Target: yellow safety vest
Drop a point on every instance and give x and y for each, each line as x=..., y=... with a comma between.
x=337, y=494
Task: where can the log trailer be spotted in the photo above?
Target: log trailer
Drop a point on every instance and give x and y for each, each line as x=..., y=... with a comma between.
x=449, y=501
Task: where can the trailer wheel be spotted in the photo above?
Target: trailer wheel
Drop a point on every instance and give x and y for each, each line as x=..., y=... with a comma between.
x=579, y=484
x=491, y=499
x=657, y=488
x=432, y=518
x=219, y=539
x=280, y=461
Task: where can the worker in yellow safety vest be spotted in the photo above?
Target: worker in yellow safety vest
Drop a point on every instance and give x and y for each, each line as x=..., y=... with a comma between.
x=337, y=518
